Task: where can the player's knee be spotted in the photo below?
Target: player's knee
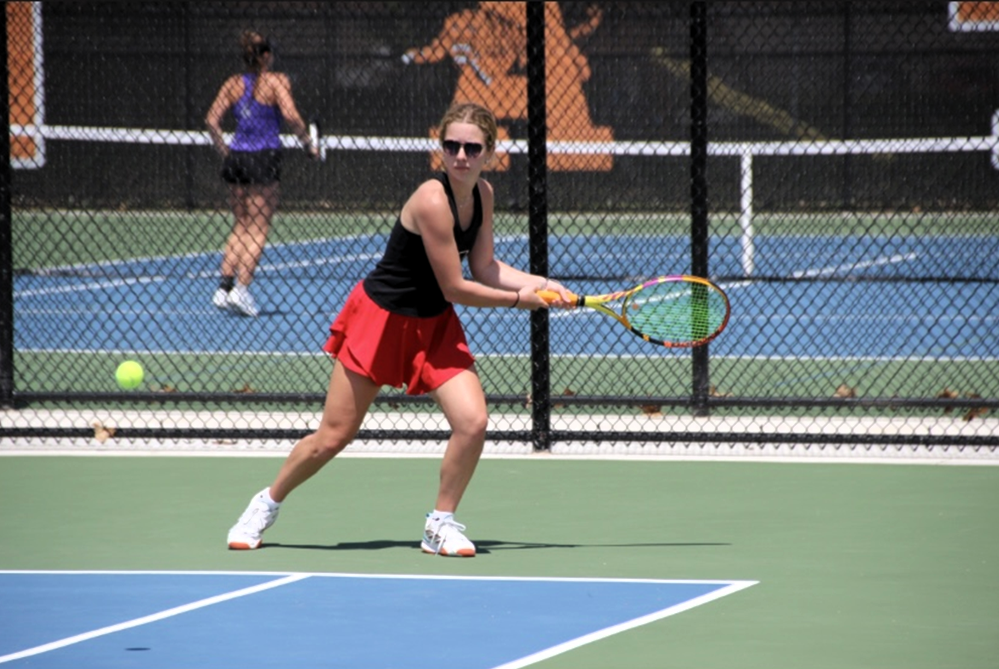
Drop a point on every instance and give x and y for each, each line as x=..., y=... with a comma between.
x=328, y=450
x=327, y=444
x=473, y=426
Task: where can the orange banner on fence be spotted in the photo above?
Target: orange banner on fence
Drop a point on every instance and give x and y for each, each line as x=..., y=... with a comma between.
x=488, y=46
x=977, y=11
x=973, y=16
x=24, y=83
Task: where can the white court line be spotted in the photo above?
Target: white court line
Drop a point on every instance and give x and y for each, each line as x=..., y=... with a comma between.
x=877, y=262
x=630, y=624
x=309, y=263
x=68, y=641
x=118, y=283
x=100, y=285
x=824, y=271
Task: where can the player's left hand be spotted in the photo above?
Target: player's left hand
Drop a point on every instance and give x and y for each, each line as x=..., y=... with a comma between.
x=566, y=300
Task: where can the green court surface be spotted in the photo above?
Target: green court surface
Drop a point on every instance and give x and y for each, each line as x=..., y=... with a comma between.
x=858, y=565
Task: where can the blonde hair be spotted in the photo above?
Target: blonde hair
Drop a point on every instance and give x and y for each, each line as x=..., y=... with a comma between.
x=253, y=45
x=477, y=115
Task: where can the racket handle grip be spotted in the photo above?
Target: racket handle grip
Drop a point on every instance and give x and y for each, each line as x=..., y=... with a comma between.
x=550, y=296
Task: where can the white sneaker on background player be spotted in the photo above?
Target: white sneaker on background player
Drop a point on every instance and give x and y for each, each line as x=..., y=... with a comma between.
x=221, y=299
x=241, y=301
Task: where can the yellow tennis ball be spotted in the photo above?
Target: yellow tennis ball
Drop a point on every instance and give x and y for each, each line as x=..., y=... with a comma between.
x=129, y=375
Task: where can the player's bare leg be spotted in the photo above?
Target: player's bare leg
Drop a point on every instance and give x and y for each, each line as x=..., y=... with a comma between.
x=234, y=242
x=464, y=405
x=347, y=402
x=253, y=207
x=259, y=205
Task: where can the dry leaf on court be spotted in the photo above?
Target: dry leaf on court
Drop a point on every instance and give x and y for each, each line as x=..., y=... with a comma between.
x=102, y=433
x=568, y=392
x=974, y=411
x=845, y=391
x=947, y=394
x=977, y=411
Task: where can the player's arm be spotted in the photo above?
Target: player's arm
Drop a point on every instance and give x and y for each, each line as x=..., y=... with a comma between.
x=289, y=111
x=226, y=98
x=498, y=273
x=428, y=213
x=487, y=269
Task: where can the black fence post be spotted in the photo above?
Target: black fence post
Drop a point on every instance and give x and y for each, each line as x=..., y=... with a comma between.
x=191, y=120
x=699, y=185
x=537, y=157
x=6, y=242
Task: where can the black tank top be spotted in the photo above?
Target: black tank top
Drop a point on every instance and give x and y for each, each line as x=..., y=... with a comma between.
x=403, y=281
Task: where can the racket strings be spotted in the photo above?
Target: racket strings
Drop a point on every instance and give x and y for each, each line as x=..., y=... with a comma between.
x=677, y=312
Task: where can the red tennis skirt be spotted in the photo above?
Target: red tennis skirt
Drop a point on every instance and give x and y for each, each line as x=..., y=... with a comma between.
x=393, y=350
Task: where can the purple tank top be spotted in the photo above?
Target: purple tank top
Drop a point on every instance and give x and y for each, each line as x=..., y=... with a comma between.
x=257, y=125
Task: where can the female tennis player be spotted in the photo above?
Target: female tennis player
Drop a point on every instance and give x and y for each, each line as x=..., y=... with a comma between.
x=259, y=99
x=399, y=327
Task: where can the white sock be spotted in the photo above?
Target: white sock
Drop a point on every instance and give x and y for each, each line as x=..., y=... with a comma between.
x=265, y=495
x=437, y=517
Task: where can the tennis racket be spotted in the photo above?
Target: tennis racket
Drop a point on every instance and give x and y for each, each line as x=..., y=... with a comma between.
x=316, y=135
x=677, y=311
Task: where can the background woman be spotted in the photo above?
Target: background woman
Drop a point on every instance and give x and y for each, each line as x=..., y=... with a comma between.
x=259, y=100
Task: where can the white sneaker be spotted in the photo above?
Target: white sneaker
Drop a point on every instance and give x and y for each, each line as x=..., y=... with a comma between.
x=246, y=534
x=445, y=537
x=241, y=301
x=221, y=299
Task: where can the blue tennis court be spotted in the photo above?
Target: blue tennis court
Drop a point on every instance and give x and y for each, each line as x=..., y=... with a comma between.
x=162, y=304
x=168, y=620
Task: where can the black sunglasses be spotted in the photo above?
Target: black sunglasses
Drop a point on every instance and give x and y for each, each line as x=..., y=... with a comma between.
x=451, y=148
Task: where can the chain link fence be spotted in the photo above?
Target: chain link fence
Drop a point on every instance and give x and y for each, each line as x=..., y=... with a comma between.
x=833, y=165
